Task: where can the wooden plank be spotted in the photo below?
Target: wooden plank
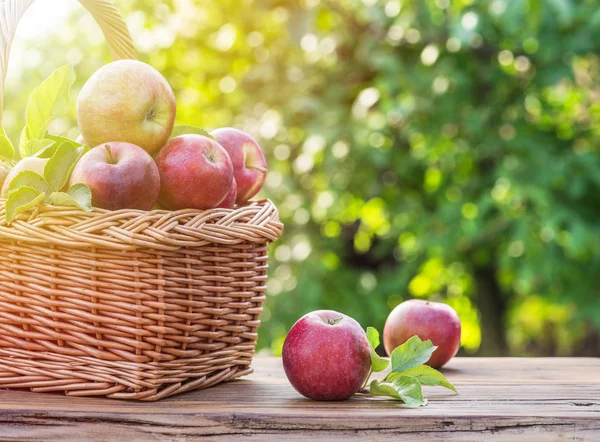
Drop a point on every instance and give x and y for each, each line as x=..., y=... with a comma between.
x=500, y=399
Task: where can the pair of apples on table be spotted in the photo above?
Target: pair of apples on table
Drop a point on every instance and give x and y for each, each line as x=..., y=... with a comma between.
x=327, y=355
x=127, y=110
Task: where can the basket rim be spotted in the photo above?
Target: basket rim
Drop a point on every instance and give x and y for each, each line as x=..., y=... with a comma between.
x=61, y=226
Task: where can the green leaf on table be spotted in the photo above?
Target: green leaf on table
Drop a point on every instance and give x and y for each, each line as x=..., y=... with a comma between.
x=377, y=362
x=7, y=150
x=184, y=129
x=47, y=101
x=405, y=388
x=426, y=376
x=79, y=195
x=59, y=168
x=30, y=179
x=21, y=200
x=412, y=353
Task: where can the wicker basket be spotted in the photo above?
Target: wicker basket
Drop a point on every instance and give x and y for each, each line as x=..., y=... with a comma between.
x=128, y=304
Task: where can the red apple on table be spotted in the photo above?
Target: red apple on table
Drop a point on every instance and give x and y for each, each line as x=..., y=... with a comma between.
x=249, y=164
x=195, y=173
x=126, y=100
x=428, y=320
x=120, y=176
x=326, y=356
x=229, y=200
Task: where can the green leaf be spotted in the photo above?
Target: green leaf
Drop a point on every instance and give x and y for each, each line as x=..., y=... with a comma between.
x=377, y=362
x=405, y=388
x=21, y=200
x=30, y=179
x=59, y=168
x=7, y=150
x=60, y=139
x=79, y=195
x=426, y=376
x=57, y=141
x=185, y=129
x=412, y=353
x=33, y=147
x=48, y=101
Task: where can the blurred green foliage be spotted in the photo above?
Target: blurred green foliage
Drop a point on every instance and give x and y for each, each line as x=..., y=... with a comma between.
x=441, y=149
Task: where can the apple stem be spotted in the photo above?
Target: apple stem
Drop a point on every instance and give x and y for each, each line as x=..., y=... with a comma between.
x=110, y=157
x=333, y=321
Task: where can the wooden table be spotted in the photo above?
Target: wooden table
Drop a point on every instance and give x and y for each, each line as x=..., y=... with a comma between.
x=500, y=399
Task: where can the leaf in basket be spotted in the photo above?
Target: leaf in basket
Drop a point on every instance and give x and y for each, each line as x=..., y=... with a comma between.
x=48, y=101
x=57, y=141
x=79, y=195
x=28, y=178
x=184, y=129
x=7, y=150
x=21, y=200
x=37, y=146
x=59, y=168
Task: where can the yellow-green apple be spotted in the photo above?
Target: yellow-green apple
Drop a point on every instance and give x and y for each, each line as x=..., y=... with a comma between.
x=120, y=176
x=33, y=164
x=428, y=320
x=229, y=200
x=195, y=173
x=326, y=356
x=126, y=100
x=249, y=164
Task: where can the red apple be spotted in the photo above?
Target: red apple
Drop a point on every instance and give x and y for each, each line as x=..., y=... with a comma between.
x=326, y=356
x=428, y=320
x=229, y=200
x=195, y=173
x=120, y=176
x=249, y=164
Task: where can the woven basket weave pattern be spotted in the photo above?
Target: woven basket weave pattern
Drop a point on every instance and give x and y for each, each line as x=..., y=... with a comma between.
x=127, y=304
x=130, y=304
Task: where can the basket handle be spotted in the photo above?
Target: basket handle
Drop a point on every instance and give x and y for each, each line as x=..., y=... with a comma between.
x=104, y=11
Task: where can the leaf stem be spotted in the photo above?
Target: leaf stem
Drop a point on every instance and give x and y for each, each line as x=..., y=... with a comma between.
x=367, y=380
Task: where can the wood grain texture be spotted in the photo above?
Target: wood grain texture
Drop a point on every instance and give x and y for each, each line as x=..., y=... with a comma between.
x=542, y=399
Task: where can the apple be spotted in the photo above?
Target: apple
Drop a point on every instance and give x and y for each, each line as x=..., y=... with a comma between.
x=33, y=164
x=249, y=164
x=229, y=200
x=120, y=176
x=80, y=140
x=428, y=320
x=195, y=173
x=126, y=100
x=326, y=356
